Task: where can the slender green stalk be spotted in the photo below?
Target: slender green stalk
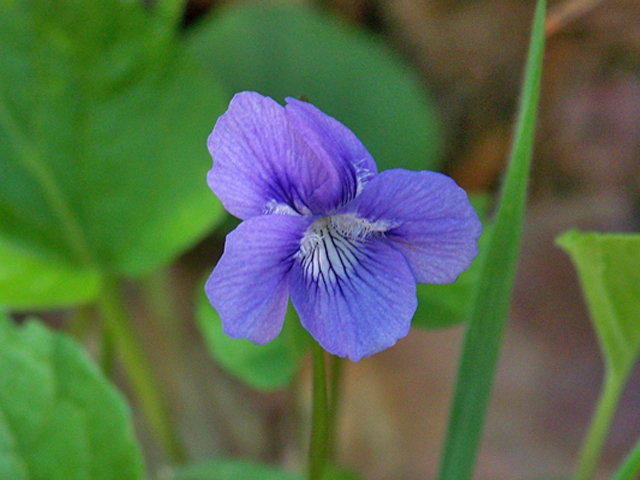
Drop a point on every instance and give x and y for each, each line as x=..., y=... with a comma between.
x=320, y=418
x=118, y=328
x=335, y=375
x=158, y=294
x=630, y=468
x=600, y=422
x=492, y=296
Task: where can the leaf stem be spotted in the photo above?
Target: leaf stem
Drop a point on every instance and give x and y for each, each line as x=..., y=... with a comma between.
x=318, y=448
x=118, y=328
x=600, y=422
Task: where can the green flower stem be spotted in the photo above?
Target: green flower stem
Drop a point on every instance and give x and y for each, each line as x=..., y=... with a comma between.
x=318, y=448
x=335, y=374
x=630, y=468
x=600, y=422
x=118, y=328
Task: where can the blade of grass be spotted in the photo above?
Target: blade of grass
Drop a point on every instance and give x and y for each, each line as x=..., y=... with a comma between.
x=493, y=292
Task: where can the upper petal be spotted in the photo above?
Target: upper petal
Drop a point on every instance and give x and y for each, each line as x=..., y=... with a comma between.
x=263, y=164
x=354, y=300
x=430, y=218
x=249, y=286
x=334, y=143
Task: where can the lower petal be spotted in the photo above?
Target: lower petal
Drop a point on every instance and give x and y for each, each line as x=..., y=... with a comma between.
x=431, y=221
x=358, y=311
x=249, y=285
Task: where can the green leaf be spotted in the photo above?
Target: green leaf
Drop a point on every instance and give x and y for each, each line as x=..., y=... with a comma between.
x=630, y=467
x=441, y=306
x=337, y=472
x=247, y=470
x=60, y=419
x=103, y=123
x=29, y=282
x=493, y=293
x=609, y=269
x=608, y=266
x=291, y=50
x=232, y=470
x=266, y=367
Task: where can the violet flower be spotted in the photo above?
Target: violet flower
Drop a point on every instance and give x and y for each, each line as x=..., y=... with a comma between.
x=321, y=225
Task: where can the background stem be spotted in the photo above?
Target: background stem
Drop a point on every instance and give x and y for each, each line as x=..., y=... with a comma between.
x=118, y=329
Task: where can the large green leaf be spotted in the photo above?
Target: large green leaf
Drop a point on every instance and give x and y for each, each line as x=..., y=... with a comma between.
x=291, y=50
x=247, y=470
x=60, y=419
x=233, y=470
x=103, y=122
x=265, y=367
x=609, y=269
x=30, y=282
x=492, y=295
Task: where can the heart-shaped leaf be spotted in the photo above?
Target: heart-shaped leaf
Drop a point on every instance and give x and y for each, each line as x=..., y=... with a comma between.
x=247, y=470
x=29, y=282
x=232, y=470
x=103, y=122
x=290, y=50
x=608, y=266
x=60, y=419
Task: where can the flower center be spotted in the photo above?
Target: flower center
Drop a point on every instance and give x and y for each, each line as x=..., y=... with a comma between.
x=332, y=246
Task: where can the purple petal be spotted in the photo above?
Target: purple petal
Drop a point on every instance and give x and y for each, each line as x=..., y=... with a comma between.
x=334, y=143
x=431, y=221
x=262, y=164
x=250, y=286
x=363, y=309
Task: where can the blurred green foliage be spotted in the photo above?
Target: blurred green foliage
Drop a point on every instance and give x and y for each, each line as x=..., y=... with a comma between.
x=103, y=119
x=60, y=418
x=294, y=51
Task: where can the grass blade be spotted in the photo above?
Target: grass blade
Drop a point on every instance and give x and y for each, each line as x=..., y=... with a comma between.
x=493, y=294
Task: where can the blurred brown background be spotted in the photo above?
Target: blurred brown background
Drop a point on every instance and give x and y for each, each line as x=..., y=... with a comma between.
x=470, y=55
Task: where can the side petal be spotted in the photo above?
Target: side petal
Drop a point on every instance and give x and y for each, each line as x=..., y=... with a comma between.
x=335, y=144
x=249, y=286
x=430, y=218
x=360, y=308
x=262, y=165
